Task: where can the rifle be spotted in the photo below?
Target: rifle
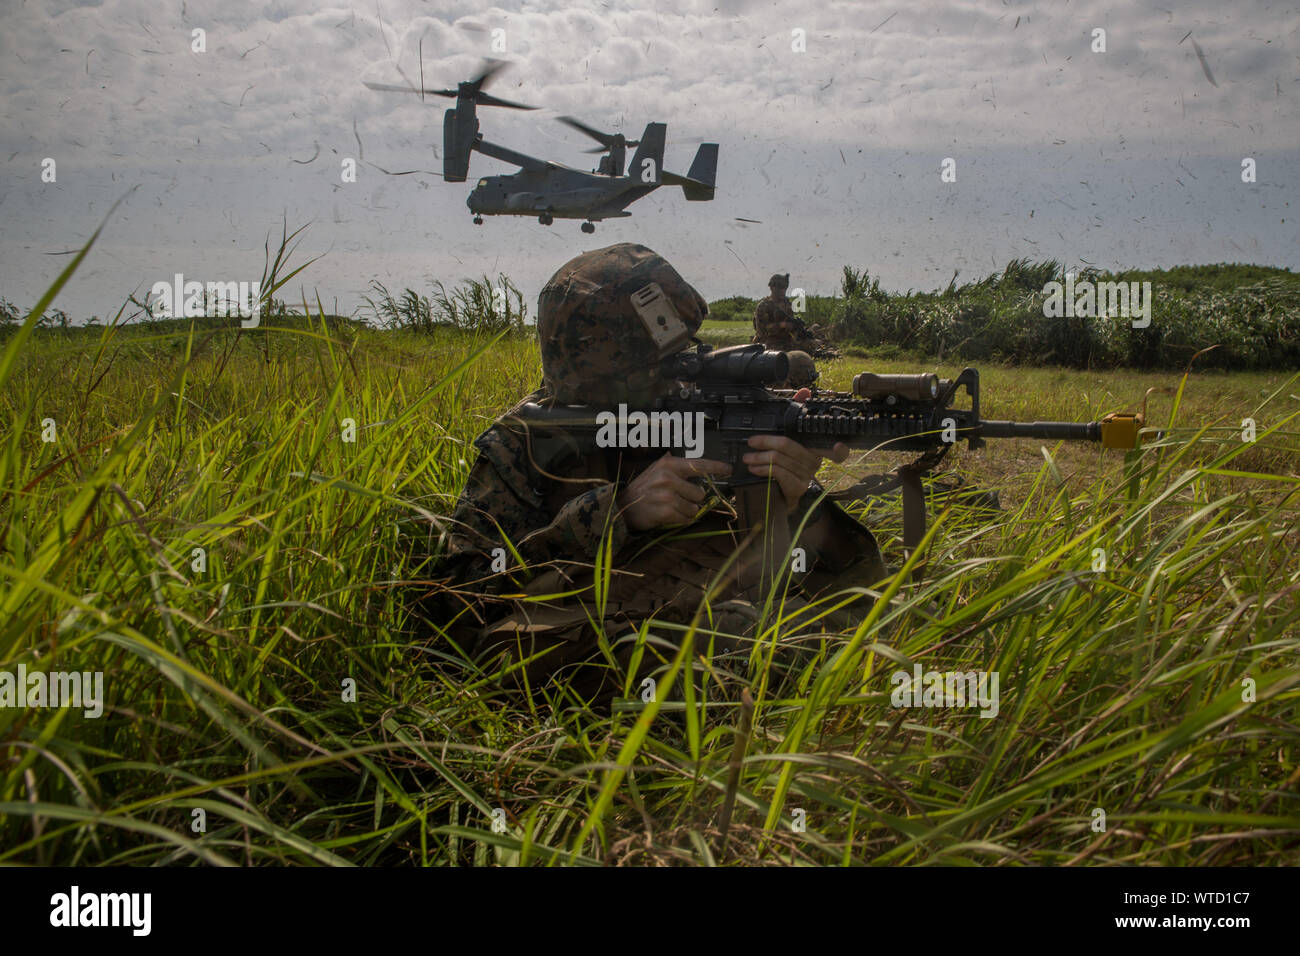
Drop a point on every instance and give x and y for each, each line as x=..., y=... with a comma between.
x=728, y=391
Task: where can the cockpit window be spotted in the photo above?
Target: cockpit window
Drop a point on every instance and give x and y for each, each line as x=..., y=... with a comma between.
x=482, y=182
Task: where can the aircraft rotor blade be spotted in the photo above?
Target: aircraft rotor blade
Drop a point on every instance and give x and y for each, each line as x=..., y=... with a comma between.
x=490, y=69
x=487, y=99
x=607, y=140
x=390, y=88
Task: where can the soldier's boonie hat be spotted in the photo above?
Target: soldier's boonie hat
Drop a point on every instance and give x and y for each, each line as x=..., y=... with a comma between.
x=595, y=318
x=778, y=279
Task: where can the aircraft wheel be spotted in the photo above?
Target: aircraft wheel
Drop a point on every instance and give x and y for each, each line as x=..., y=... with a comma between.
x=478, y=220
x=546, y=219
x=588, y=227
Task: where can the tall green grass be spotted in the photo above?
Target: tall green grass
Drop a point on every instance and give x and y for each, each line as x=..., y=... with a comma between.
x=1122, y=690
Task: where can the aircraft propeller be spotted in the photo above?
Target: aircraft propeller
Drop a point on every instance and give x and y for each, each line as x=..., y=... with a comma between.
x=472, y=89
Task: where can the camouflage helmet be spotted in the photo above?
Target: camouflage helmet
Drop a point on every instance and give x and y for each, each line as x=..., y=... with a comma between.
x=596, y=338
x=779, y=280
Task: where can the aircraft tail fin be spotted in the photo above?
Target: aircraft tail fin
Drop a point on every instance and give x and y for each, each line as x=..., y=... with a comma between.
x=704, y=169
x=648, y=163
x=698, y=184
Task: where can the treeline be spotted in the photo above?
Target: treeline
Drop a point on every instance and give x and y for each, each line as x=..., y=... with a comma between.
x=1252, y=313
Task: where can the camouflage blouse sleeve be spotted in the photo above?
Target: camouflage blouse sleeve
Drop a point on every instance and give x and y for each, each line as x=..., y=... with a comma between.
x=507, y=503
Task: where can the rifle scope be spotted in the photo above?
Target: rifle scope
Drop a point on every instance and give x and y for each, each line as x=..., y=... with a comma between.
x=911, y=388
x=740, y=364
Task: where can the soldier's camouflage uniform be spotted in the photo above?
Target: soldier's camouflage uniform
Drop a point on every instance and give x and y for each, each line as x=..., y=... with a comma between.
x=554, y=507
x=769, y=315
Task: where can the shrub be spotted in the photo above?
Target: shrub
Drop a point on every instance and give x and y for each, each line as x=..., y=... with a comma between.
x=476, y=305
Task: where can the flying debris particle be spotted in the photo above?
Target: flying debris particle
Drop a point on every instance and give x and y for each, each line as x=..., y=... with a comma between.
x=361, y=153
x=1205, y=66
x=382, y=32
x=405, y=172
x=1185, y=36
x=738, y=218
x=733, y=252
x=241, y=99
x=883, y=22
x=304, y=162
x=827, y=86
x=842, y=159
x=1017, y=23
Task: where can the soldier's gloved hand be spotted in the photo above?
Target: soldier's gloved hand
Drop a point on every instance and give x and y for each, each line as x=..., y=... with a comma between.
x=788, y=462
x=664, y=495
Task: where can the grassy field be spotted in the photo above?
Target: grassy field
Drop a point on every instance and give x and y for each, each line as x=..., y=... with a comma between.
x=200, y=530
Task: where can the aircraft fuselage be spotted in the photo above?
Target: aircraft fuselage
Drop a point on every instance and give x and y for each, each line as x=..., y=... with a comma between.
x=563, y=194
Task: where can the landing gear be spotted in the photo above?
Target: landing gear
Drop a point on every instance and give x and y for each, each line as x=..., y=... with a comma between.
x=588, y=227
x=478, y=220
x=546, y=219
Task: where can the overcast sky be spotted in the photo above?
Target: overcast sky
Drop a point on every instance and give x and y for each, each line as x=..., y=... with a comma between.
x=1131, y=157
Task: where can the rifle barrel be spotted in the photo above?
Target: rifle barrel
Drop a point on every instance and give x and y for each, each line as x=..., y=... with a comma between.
x=1052, y=431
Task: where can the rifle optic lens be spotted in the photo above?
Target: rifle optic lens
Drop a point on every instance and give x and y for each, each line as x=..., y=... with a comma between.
x=912, y=388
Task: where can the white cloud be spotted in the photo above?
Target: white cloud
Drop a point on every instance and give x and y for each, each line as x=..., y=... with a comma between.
x=113, y=91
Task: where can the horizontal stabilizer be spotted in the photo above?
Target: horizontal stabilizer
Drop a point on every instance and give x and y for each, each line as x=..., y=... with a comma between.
x=698, y=184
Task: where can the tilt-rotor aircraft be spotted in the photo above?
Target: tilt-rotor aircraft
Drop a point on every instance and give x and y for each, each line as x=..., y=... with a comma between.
x=551, y=190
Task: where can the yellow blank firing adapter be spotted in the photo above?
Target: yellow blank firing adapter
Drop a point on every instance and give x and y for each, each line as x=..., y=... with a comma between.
x=660, y=318
x=1120, y=430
